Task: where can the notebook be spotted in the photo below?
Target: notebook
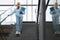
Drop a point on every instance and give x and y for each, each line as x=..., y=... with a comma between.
x=22, y=10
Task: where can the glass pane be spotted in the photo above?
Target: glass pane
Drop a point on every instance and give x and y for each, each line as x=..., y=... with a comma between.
x=5, y=2
x=21, y=1
x=53, y=1
x=35, y=8
x=27, y=1
x=48, y=15
x=2, y=10
x=35, y=1
x=58, y=1
x=29, y=13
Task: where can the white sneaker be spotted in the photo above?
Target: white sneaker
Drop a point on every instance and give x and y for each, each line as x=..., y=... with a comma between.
x=18, y=32
x=57, y=32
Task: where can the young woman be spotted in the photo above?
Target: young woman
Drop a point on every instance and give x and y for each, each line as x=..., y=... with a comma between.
x=55, y=12
x=19, y=17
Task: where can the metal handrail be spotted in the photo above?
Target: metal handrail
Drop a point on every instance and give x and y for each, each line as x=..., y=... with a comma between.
x=2, y=10
x=5, y=11
x=4, y=19
x=6, y=16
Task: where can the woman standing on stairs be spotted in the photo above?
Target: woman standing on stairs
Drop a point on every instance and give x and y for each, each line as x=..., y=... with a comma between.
x=55, y=12
x=19, y=11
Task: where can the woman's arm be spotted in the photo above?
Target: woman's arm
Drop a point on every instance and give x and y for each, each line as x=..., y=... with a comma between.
x=12, y=12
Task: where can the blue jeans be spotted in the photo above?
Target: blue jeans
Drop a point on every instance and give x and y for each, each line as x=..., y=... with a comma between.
x=19, y=23
x=55, y=23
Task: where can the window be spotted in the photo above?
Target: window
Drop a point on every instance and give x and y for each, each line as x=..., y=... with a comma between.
x=6, y=2
x=48, y=15
x=30, y=14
